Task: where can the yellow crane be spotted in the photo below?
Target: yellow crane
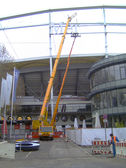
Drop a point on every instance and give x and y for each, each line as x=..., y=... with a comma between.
x=46, y=129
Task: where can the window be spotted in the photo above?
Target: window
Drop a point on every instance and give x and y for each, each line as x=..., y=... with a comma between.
x=111, y=75
x=102, y=101
x=114, y=99
x=117, y=72
x=108, y=99
x=106, y=74
x=92, y=80
x=97, y=101
x=102, y=76
x=122, y=97
x=122, y=72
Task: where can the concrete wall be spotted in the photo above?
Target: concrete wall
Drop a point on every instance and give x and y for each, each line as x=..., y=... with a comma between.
x=7, y=150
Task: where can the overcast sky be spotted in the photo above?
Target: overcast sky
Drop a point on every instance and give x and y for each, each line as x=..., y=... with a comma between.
x=12, y=38
x=12, y=7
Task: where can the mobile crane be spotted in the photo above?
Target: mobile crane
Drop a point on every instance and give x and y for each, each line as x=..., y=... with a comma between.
x=46, y=128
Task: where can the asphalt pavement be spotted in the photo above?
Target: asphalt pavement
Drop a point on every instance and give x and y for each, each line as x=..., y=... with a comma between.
x=61, y=154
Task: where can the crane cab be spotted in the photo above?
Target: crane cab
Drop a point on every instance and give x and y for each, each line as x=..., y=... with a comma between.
x=45, y=132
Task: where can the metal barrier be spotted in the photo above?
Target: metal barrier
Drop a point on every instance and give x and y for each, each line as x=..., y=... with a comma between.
x=58, y=134
x=121, y=149
x=101, y=147
x=16, y=134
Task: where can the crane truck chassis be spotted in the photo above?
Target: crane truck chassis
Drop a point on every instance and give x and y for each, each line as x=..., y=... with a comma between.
x=46, y=132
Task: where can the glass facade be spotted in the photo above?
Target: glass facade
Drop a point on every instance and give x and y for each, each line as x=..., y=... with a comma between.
x=109, y=99
x=108, y=74
x=108, y=90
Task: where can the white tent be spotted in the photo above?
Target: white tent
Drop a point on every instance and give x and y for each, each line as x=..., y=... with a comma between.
x=75, y=123
x=84, y=124
x=97, y=121
x=59, y=128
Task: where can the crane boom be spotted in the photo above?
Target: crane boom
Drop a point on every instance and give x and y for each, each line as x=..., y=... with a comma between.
x=43, y=110
x=62, y=85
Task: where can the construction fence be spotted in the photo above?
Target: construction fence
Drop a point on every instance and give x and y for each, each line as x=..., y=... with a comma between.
x=22, y=131
x=18, y=131
x=99, y=139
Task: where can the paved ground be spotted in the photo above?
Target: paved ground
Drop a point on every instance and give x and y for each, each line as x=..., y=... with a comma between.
x=61, y=154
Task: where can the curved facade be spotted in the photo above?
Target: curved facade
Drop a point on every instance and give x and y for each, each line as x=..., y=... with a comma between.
x=108, y=90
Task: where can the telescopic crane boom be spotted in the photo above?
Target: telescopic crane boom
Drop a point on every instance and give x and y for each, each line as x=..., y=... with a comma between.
x=62, y=85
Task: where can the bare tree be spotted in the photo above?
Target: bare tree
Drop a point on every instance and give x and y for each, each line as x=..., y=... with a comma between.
x=6, y=62
x=4, y=55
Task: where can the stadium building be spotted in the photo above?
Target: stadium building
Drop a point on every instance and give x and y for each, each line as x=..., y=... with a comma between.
x=95, y=81
x=32, y=85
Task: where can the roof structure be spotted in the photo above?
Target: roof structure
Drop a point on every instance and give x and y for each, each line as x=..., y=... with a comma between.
x=34, y=76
